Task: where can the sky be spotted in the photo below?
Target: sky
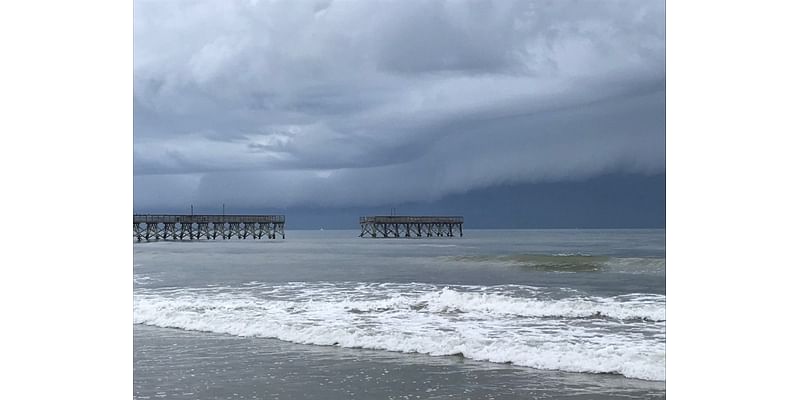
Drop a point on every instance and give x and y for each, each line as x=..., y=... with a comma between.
x=340, y=108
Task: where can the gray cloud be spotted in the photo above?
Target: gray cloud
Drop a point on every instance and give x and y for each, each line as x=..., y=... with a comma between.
x=336, y=103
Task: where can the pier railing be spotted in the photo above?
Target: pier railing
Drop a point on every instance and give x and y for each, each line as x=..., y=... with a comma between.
x=406, y=219
x=205, y=218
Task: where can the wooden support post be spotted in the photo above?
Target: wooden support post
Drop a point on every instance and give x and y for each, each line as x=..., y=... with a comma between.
x=194, y=227
x=152, y=231
x=203, y=230
x=396, y=226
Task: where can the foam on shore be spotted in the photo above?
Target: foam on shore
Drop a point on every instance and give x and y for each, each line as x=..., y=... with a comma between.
x=505, y=324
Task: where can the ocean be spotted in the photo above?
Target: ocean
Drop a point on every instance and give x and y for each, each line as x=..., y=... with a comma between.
x=325, y=314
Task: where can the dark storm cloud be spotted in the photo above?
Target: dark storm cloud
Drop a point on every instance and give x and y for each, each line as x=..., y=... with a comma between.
x=363, y=103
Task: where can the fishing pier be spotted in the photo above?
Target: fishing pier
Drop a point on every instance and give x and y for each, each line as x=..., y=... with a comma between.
x=209, y=227
x=398, y=226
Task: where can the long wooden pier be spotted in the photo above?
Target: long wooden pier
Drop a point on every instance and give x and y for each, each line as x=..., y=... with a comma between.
x=209, y=227
x=406, y=226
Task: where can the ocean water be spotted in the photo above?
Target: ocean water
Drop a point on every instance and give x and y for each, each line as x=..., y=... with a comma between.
x=326, y=314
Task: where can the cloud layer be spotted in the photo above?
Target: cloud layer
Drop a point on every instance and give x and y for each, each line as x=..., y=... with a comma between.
x=348, y=103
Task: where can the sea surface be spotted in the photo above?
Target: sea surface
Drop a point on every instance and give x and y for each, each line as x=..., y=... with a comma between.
x=578, y=314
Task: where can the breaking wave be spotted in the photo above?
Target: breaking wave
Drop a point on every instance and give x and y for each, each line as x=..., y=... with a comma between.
x=522, y=325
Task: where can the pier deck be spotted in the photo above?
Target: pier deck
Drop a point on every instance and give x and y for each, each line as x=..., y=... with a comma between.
x=408, y=226
x=210, y=227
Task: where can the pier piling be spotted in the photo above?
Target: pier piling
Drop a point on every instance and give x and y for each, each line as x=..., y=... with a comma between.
x=196, y=227
x=398, y=226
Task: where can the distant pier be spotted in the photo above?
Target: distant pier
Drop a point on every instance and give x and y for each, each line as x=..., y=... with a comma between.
x=399, y=226
x=210, y=227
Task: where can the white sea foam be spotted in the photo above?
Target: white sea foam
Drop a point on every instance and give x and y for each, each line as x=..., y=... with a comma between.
x=141, y=279
x=506, y=324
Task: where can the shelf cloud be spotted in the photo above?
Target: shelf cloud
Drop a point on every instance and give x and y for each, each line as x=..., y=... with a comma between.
x=345, y=103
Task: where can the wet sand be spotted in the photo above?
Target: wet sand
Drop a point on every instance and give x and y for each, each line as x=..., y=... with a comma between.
x=178, y=364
